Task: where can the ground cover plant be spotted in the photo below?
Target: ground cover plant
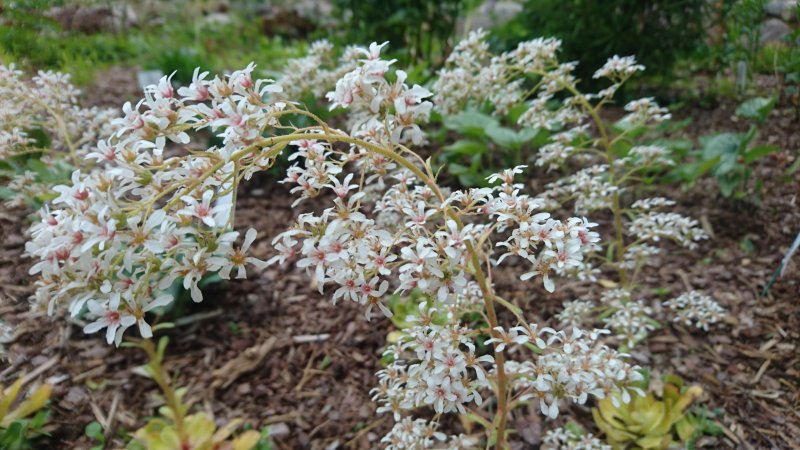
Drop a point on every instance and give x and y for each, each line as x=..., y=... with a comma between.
x=331, y=274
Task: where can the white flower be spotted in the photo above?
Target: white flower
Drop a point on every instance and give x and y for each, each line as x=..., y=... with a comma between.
x=109, y=317
x=213, y=216
x=237, y=258
x=507, y=338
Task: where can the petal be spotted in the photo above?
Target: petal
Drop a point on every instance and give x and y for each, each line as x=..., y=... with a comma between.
x=249, y=237
x=95, y=326
x=144, y=329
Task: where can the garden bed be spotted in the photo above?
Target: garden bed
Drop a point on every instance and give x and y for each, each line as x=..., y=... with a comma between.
x=273, y=350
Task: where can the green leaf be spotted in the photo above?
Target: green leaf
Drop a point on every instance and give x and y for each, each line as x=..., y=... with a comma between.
x=504, y=137
x=680, y=147
x=756, y=108
x=471, y=123
x=93, y=430
x=721, y=144
x=209, y=279
x=758, y=151
x=728, y=163
x=457, y=169
x=793, y=168
x=728, y=184
x=465, y=147
x=630, y=129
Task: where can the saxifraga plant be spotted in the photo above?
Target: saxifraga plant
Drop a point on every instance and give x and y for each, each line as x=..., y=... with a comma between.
x=120, y=234
x=615, y=159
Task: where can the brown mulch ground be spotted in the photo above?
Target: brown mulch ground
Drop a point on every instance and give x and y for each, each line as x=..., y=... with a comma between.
x=273, y=350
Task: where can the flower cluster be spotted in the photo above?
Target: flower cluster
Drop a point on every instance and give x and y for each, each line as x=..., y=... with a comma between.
x=316, y=72
x=443, y=371
x=159, y=208
x=380, y=109
x=120, y=234
x=631, y=321
x=654, y=226
x=590, y=189
x=645, y=110
x=566, y=439
x=575, y=313
x=650, y=155
x=564, y=243
x=695, y=309
x=417, y=434
x=573, y=365
x=47, y=103
x=618, y=68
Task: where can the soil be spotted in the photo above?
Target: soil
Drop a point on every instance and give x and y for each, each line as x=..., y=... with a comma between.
x=274, y=351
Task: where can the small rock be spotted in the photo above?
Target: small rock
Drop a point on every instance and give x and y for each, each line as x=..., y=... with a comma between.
x=773, y=30
x=278, y=430
x=148, y=77
x=492, y=14
x=75, y=396
x=784, y=9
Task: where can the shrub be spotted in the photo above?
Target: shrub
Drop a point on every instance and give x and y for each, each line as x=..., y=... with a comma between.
x=657, y=33
x=419, y=29
x=159, y=208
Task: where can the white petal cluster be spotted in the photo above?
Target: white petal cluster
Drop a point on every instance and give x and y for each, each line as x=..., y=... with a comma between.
x=119, y=235
x=639, y=255
x=645, y=110
x=317, y=72
x=651, y=155
x=381, y=111
x=652, y=203
x=420, y=434
x=696, y=309
x=565, y=439
x=575, y=313
x=553, y=154
x=589, y=187
x=654, y=226
x=630, y=321
x=473, y=76
x=434, y=366
x=572, y=366
x=618, y=68
x=548, y=244
x=48, y=103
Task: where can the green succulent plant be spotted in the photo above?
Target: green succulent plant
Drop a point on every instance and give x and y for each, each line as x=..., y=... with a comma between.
x=647, y=422
x=21, y=422
x=200, y=434
x=174, y=428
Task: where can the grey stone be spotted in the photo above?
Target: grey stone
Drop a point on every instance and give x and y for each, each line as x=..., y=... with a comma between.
x=279, y=430
x=773, y=30
x=148, y=77
x=491, y=14
x=784, y=9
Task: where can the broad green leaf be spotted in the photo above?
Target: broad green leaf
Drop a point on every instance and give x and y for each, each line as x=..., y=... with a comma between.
x=678, y=146
x=758, y=151
x=630, y=129
x=721, y=144
x=756, y=108
x=471, y=123
x=93, y=430
x=728, y=163
x=504, y=137
x=457, y=169
x=465, y=147
x=728, y=184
